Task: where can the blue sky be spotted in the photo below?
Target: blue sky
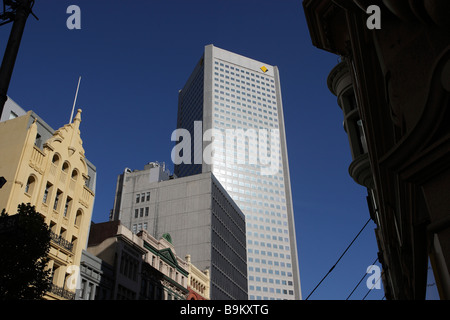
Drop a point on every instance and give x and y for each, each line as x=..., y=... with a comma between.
x=134, y=56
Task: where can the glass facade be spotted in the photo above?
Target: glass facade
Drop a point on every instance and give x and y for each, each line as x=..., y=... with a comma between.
x=247, y=159
x=191, y=99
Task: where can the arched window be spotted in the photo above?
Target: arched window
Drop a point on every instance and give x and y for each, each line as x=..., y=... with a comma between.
x=65, y=166
x=74, y=174
x=78, y=218
x=55, y=159
x=29, y=187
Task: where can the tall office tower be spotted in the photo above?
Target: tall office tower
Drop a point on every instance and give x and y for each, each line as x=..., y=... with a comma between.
x=201, y=218
x=230, y=122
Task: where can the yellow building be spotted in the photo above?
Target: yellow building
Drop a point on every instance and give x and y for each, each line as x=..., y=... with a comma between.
x=198, y=282
x=49, y=169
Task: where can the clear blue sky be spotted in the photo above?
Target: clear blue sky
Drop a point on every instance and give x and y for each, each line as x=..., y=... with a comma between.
x=134, y=56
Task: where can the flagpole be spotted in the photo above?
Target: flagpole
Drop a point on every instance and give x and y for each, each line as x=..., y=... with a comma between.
x=75, y=100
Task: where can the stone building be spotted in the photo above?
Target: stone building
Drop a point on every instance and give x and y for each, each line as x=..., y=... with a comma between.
x=144, y=268
x=49, y=170
x=393, y=86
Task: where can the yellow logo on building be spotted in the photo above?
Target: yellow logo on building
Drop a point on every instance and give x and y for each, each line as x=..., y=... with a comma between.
x=264, y=69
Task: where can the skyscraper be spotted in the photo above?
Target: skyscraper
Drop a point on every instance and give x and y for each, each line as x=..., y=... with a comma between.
x=230, y=122
x=201, y=218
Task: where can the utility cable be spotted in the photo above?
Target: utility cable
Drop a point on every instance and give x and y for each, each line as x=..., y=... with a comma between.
x=373, y=286
x=361, y=280
x=338, y=259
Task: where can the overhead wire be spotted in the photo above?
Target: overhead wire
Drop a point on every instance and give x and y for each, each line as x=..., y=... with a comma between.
x=373, y=286
x=342, y=255
x=361, y=279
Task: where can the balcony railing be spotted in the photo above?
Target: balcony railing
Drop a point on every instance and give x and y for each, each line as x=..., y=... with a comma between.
x=60, y=241
x=61, y=292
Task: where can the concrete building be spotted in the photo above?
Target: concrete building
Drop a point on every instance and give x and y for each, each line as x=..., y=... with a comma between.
x=236, y=102
x=96, y=279
x=203, y=221
x=11, y=110
x=144, y=268
x=393, y=86
x=49, y=170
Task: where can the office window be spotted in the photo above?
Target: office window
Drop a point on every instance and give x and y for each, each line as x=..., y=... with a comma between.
x=136, y=213
x=146, y=211
x=148, y=196
x=138, y=197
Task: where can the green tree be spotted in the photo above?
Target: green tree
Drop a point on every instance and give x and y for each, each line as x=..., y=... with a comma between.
x=24, y=246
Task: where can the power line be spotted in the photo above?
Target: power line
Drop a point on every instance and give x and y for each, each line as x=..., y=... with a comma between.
x=373, y=286
x=361, y=280
x=338, y=259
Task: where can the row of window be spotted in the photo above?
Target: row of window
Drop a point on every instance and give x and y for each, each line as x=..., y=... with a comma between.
x=268, y=229
x=242, y=71
x=247, y=200
x=139, y=226
x=246, y=122
x=241, y=93
x=56, y=205
x=248, y=102
x=247, y=176
x=271, y=290
x=142, y=197
x=271, y=281
x=253, y=169
x=265, y=235
x=252, y=243
x=270, y=271
x=270, y=262
x=129, y=266
x=66, y=167
x=168, y=270
x=242, y=109
x=252, y=251
x=141, y=212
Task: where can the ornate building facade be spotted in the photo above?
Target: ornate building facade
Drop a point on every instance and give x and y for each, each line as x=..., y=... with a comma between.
x=49, y=170
x=198, y=282
x=144, y=267
x=393, y=86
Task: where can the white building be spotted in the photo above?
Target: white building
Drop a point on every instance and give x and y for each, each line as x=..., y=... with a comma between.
x=237, y=100
x=201, y=218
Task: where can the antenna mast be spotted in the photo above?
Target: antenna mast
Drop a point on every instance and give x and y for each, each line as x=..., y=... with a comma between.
x=75, y=100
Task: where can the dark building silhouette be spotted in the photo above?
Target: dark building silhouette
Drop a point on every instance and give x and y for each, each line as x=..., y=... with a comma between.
x=393, y=86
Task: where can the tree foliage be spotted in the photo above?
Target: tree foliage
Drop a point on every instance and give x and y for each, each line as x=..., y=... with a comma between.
x=24, y=246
